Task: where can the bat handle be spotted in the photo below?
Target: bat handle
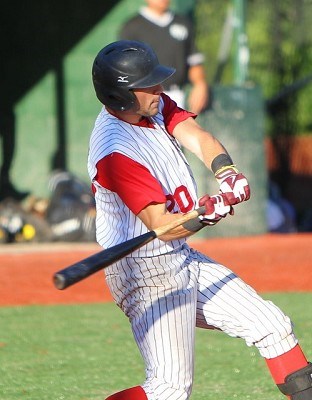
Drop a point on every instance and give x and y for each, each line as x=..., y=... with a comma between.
x=201, y=210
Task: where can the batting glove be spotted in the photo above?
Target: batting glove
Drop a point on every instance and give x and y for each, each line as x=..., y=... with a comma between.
x=233, y=184
x=216, y=208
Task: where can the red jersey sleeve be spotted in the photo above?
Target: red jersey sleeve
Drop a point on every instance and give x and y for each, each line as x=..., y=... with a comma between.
x=133, y=182
x=173, y=114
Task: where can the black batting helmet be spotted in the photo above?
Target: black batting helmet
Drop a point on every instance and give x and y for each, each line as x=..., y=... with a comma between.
x=122, y=66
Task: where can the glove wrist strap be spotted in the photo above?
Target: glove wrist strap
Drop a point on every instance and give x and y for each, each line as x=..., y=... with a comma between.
x=224, y=172
x=226, y=168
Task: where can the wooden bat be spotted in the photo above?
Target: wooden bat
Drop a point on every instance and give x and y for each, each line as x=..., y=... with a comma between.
x=88, y=266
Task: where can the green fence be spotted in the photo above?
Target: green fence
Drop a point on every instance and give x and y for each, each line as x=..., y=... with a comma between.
x=236, y=118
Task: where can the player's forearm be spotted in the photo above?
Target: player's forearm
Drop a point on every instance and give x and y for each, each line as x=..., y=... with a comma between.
x=156, y=215
x=189, y=228
x=212, y=210
x=210, y=148
x=198, y=141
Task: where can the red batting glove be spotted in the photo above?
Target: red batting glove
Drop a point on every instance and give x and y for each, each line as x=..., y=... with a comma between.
x=233, y=184
x=216, y=208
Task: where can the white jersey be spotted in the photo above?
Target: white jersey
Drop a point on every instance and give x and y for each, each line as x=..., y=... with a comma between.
x=156, y=150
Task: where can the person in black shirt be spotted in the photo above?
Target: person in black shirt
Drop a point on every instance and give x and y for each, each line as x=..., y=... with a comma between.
x=172, y=37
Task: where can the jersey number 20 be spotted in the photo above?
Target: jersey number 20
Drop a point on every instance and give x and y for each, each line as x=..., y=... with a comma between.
x=182, y=198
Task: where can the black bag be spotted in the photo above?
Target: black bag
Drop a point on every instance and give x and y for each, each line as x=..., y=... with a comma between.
x=71, y=210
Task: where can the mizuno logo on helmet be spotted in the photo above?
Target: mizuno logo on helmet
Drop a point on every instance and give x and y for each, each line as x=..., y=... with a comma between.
x=122, y=79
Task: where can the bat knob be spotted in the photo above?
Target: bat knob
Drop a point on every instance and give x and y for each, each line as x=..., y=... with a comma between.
x=59, y=281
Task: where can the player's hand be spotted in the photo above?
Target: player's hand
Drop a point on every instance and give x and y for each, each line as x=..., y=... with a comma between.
x=216, y=209
x=233, y=185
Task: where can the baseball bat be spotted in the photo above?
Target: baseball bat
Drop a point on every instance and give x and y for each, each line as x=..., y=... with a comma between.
x=88, y=266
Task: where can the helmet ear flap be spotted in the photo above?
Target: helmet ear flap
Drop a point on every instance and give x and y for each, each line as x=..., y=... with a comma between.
x=117, y=100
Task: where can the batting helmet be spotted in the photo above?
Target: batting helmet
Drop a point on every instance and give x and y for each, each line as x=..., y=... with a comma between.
x=122, y=66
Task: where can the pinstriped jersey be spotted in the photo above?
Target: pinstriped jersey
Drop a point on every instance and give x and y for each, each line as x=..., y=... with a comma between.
x=153, y=148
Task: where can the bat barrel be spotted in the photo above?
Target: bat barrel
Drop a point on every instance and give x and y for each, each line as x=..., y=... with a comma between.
x=74, y=273
x=84, y=268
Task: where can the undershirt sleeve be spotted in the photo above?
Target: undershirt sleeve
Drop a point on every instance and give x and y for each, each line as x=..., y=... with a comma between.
x=173, y=114
x=133, y=182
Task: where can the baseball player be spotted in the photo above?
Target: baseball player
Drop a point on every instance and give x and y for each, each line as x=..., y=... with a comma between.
x=141, y=181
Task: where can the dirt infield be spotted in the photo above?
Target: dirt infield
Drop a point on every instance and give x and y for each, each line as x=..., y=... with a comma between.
x=270, y=262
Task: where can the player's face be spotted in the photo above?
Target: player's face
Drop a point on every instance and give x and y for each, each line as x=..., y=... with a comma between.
x=148, y=100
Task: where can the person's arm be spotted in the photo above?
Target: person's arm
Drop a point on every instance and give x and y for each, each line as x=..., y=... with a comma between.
x=198, y=141
x=143, y=195
x=199, y=93
x=213, y=154
x=156, y=215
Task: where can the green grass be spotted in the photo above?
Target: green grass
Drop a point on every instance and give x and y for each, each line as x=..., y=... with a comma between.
x=82, y=352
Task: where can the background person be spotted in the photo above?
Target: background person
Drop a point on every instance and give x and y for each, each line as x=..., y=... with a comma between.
x=172, y=38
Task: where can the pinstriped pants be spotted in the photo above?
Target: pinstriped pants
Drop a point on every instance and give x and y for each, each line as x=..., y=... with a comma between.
x=166, y=297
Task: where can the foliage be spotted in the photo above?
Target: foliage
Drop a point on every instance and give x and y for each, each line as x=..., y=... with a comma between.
x=280, y=45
